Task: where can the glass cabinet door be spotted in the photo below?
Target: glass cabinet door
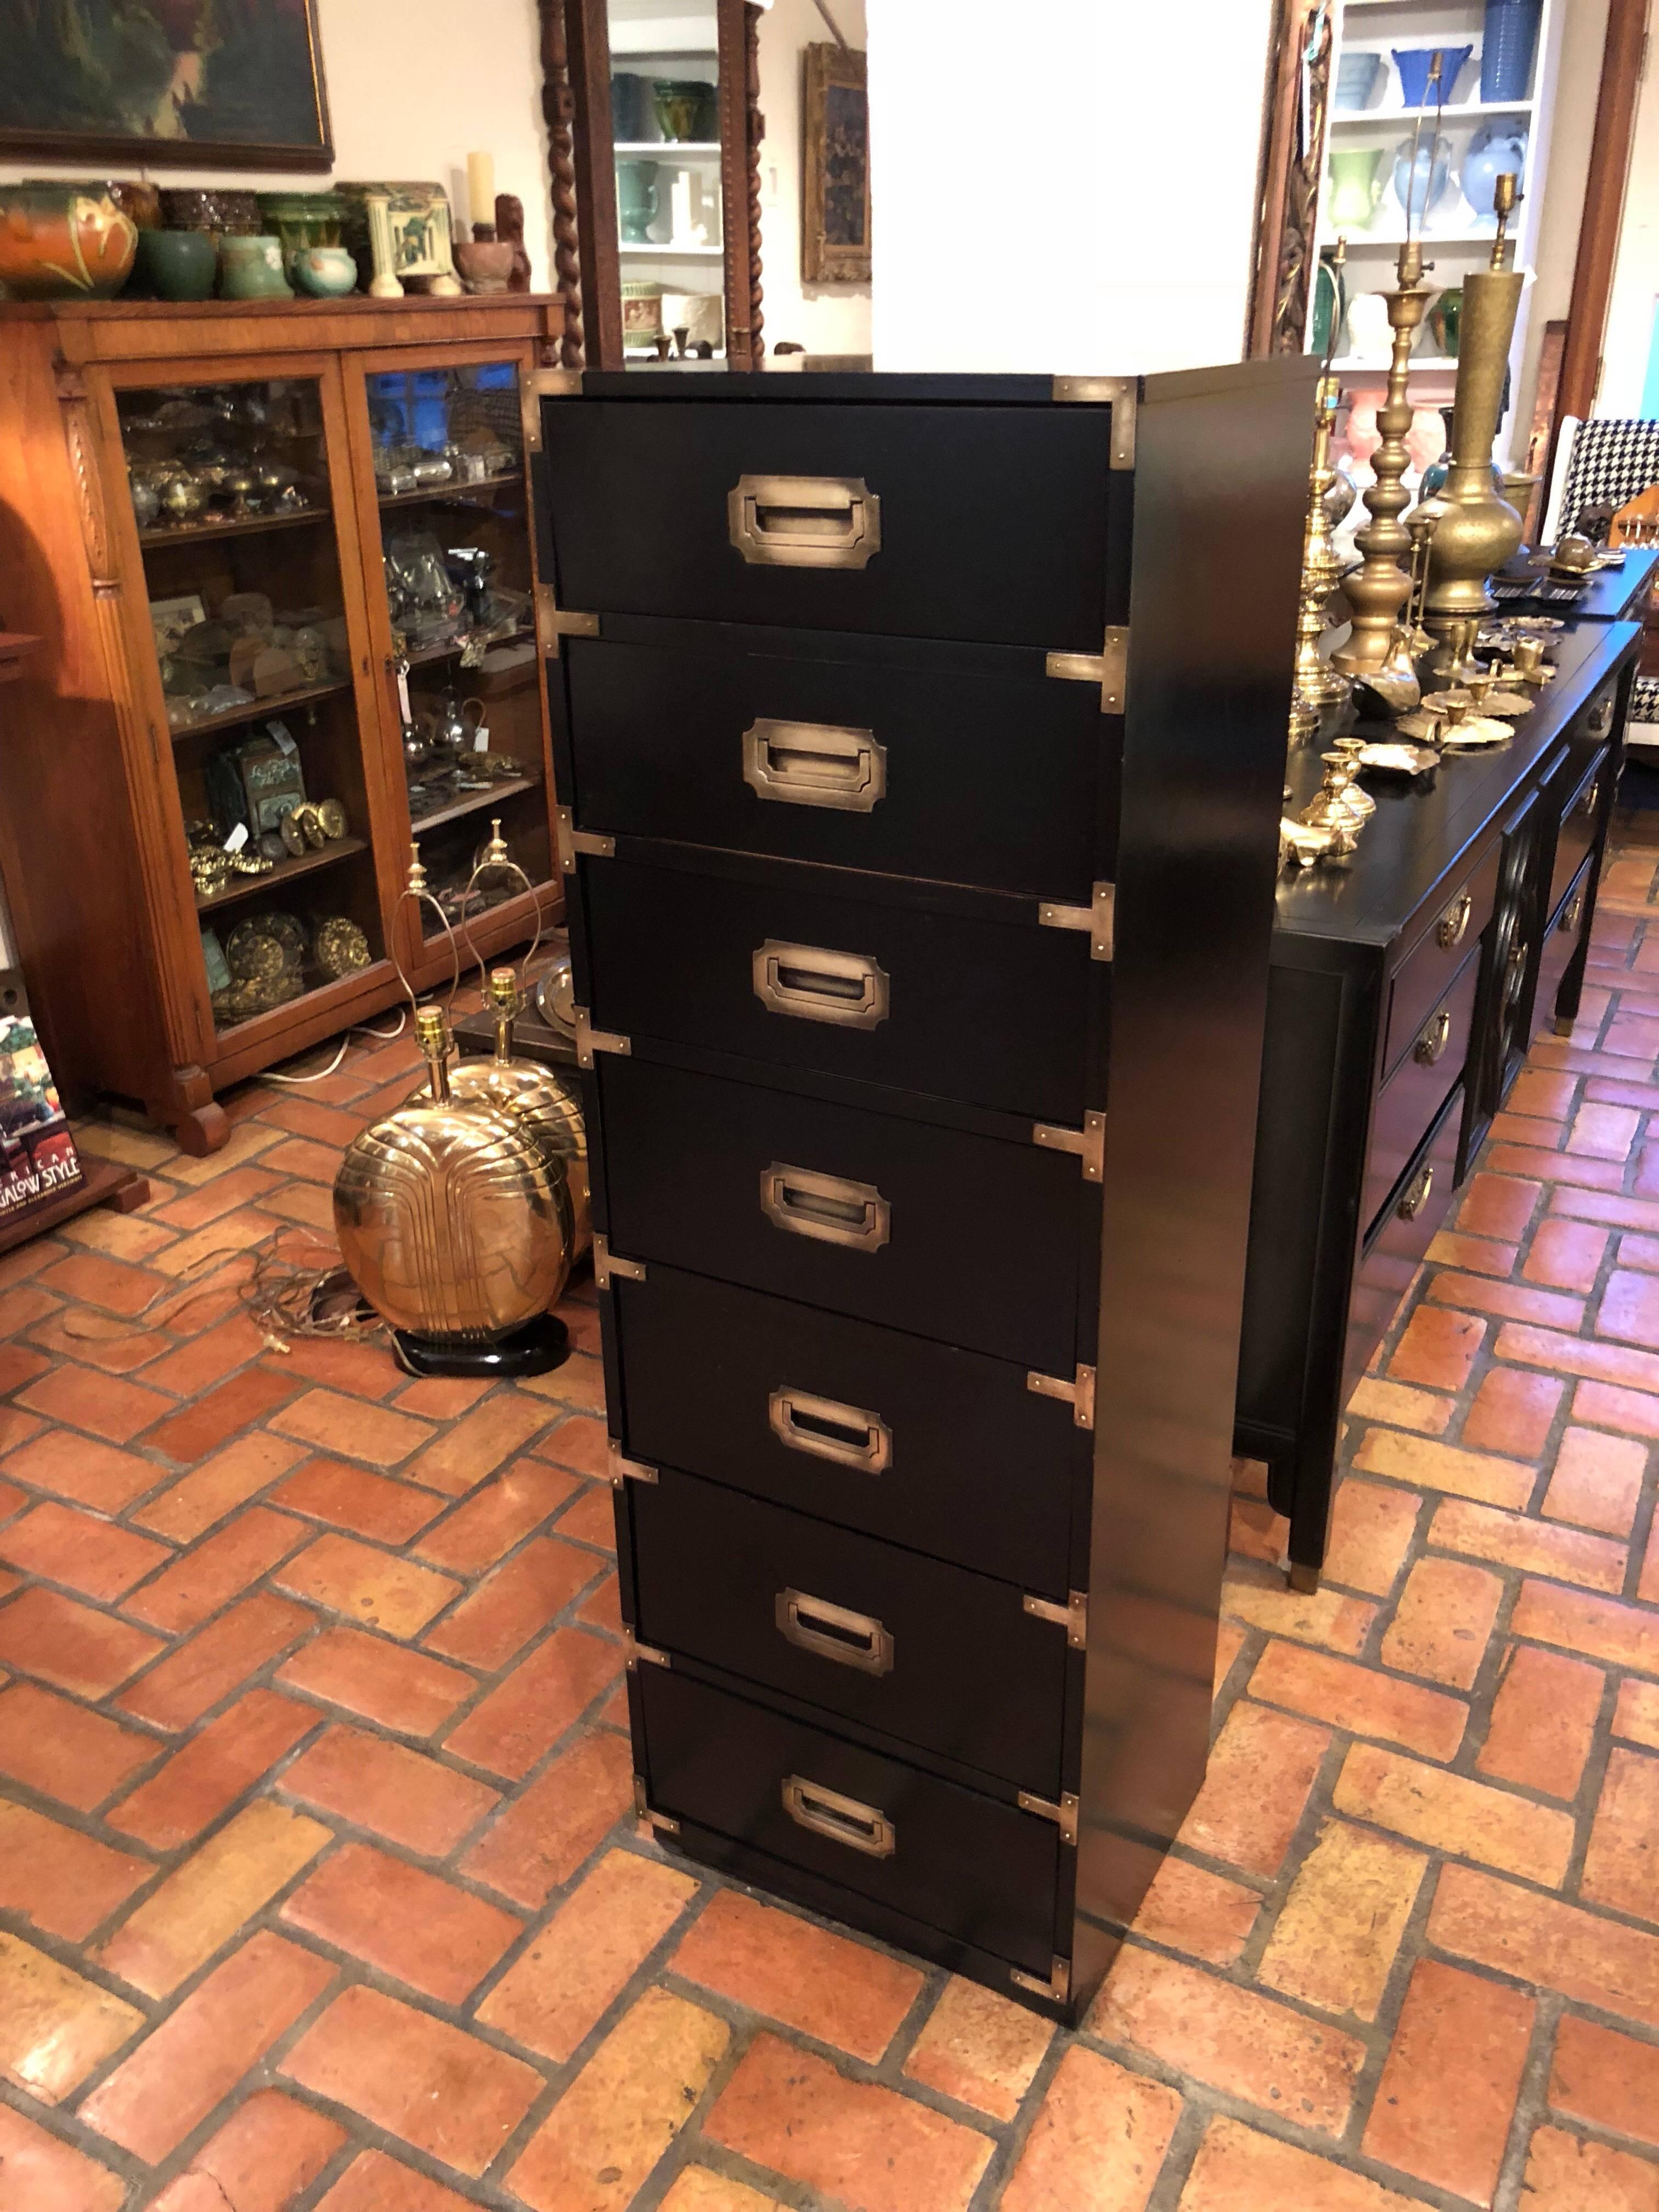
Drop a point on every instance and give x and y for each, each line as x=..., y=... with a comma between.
x=456, y=561
x=230, y=486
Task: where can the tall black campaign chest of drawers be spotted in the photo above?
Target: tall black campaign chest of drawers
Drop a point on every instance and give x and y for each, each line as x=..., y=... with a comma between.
x=920, y=741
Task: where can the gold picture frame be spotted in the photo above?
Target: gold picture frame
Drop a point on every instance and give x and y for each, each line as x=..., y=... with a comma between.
x=835, y=230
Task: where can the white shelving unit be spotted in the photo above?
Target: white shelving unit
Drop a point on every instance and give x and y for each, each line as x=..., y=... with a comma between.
x=1455, y=240
x=674, y=39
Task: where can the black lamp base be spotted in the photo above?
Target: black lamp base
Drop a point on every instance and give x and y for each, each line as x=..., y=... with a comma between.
x=540, y=1345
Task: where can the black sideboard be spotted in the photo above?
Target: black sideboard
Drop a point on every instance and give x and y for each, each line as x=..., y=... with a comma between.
x=1406, y=987
x=1618, y=594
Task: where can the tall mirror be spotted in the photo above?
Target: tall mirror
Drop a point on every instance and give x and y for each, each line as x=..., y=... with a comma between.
x=711, y=180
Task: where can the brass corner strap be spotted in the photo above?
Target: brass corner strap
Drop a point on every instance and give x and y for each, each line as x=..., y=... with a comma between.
x=642, y=1811
x=545, y=384
x=1079, y=1394
x=607, y=1263
x=1121, y=393
x=1072, y=1616
x=1057, y=1987
x=1109, y=668
x=621, y=1469
x=1064, y=1815
x=554, y=622
x=573, y=841
x=590, y=1040
x=1089, y=1143
x=634, y=1651
x=1098, y=918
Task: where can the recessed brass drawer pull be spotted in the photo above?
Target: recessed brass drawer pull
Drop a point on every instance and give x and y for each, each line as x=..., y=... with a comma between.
x=1433, y=1041
x=851, y=1639
x=850, y=990
x=843, y=1819
x=1587, y=805
x=829, y=1207
x=1515, y=973
x=815, y=764
x=1454, y=921
x=804, y=522
x=826, y=1429
x=1417, y=1197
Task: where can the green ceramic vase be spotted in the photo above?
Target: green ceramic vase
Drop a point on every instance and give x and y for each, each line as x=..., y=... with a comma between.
x=176, y=265
x=251, y=269
x=1356, y=188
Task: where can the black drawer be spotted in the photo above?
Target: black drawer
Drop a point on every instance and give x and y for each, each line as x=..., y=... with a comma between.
x=996, y=1013
x=968, y=1864
x=1581, y=821
x=973, y=1240
x=927, y=1653
x=1562, y=938
x=1399, y=1239
x=902, y=759
x=1412, y=1096
x=1442, y=944
x=868, y=1427
x=983, y=522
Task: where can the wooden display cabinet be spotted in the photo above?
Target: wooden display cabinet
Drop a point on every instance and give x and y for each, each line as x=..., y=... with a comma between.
x=390, y=444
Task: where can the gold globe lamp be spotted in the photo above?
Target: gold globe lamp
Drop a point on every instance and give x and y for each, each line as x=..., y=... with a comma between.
x=548, y=1104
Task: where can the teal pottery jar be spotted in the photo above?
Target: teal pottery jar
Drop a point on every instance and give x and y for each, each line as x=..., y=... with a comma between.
x=175, y=264
x=326, y=272
x=251, y=269
x=681, y=104
x=637, y=200
x=1330, y=306
x=1356, y=187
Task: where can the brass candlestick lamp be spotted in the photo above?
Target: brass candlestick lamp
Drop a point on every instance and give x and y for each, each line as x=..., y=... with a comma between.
x=1475, y=531
x=1317, y=684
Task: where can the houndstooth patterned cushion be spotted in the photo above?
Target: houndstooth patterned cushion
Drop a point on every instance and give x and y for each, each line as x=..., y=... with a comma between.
x=1611, y=461
x=1644, y=699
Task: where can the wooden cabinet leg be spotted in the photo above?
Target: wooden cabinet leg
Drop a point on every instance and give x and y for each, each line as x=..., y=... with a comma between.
x=198, y=1121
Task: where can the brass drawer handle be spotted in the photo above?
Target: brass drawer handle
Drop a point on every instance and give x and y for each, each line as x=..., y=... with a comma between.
x=1433, y=1041
x=1587, y=805
x=1573, y=913
x=815, y=764
x=850, y=990
x=843, y=1819
x=1515, y=972
x=1417, y=1197
x=1454, y=922
x=851, y=1639
x=1599, y=720
x=826, y=1429
x=804, y=522
x=827, y=1207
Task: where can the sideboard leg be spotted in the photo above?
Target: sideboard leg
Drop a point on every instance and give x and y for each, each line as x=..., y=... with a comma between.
x=1304, y=1578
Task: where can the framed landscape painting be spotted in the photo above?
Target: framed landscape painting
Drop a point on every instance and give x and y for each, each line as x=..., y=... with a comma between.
x=206, y=83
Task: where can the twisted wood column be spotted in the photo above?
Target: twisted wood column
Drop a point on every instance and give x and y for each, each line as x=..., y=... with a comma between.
x=754, y=131
x=559, y=110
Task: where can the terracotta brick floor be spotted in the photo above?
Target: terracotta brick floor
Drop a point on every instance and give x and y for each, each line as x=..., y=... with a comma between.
x=319, y=1883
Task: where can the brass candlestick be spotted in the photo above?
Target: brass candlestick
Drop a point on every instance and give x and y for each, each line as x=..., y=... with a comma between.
x=1475, y=531
x=1317, y=684
x=1378, y=590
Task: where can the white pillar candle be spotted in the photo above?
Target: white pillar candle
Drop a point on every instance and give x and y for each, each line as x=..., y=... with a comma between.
x=481, y=186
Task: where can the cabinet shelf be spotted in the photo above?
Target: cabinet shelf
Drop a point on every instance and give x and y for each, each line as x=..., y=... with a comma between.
x=667, y=149
x=301, y=863
x=456, y=492
x=278, y=704
x=1463, y=111
x=474, y=803
x=672, y=252
x=198, y=533
x=428, y=656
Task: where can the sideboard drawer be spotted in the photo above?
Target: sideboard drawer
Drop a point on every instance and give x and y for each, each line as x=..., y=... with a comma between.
x=1443, y=944
x=872, y=1428
x=972, y=1240
x=924, y=1652
x=1401, y=1238
x=1561, y=941
x=1581, y=821
x=996, y=523
x=902, y=760
x=1414, y=1093
x=969, y=1864
x=994, y=1013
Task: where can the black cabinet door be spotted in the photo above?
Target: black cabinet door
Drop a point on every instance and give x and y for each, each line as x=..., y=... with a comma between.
x=972, y=1866
x=972, y=1240
x=877, y=1430
x=988, y=523
x=909, y=761
x=995, y=1013
x=927, y=1653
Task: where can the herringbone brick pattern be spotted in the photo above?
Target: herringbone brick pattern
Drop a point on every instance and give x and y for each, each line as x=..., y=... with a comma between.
x=319, y=1883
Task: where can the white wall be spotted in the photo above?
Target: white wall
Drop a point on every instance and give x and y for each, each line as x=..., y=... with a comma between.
x=1636, y=273
x=824, y=318
x=1077, y=194
x=414, y=86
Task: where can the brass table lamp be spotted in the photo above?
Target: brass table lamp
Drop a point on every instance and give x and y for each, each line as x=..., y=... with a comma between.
x=548, y=1104
x=1379, y=591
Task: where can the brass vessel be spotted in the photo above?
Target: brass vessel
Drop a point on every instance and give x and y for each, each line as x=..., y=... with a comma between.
x=1377, y=591
x=548, y=1104
x=1475, y=532
x=1317, y=684
x=457, y=1229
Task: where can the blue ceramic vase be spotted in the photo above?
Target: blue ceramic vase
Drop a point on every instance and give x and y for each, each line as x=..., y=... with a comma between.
x=1495, y=149
x=1427, y=187
x=1509, y=41
x=1415, y=62
x=1356, y=80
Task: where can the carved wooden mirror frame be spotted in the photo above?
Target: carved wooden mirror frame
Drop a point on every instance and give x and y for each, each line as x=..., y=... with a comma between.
x=576, y=103
x=1294, y=125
